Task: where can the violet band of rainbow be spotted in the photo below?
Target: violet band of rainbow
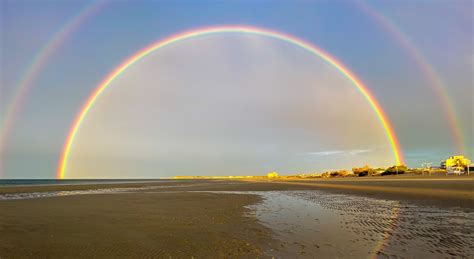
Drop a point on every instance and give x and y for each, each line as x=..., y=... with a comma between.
x=103, y=86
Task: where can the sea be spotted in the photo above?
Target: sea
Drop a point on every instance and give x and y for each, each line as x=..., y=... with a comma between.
x=30, y=182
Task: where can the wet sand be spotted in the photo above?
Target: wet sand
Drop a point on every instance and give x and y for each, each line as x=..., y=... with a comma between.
x=446, y=191
x=177, y=224
x=314, y=224
x=200, y=218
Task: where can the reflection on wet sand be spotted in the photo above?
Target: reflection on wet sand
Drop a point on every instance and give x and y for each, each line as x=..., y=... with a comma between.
x=316, y=223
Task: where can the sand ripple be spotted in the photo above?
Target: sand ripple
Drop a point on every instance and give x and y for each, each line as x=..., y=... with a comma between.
x=402, y=229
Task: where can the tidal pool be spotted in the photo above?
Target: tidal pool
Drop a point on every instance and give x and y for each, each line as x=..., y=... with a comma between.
x=320, y=224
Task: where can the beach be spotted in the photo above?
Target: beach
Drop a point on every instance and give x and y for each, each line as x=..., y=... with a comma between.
x=371, y=217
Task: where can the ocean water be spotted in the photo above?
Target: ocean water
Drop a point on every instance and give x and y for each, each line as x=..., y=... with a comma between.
x=29, y=182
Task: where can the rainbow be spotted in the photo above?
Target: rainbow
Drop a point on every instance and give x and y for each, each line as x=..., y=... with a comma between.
x=428, y=72
x=388, y=233
x=103, y=86
x=37, y=64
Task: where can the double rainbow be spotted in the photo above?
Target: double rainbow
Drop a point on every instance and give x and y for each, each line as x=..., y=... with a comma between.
x=63, y=162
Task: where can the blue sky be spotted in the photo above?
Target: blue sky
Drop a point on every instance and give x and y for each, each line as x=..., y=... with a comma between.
x=440, y=30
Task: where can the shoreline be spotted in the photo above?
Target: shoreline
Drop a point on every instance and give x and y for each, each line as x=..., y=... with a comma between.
x=443, y=191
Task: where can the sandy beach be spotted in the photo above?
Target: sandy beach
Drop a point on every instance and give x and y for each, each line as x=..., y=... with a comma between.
x=372, y=217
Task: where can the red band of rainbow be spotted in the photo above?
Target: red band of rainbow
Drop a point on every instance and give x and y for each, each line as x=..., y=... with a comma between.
x=63, y=162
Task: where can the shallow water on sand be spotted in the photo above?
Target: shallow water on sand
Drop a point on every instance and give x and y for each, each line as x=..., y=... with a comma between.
x=37, y=195
x=46, y=182
x=320, y=224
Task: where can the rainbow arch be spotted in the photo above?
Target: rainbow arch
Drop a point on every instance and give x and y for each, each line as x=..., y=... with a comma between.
x=37, y=64
x=427, y=71
x=63, y=162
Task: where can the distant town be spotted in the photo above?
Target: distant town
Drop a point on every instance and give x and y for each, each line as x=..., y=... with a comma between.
x=454, y=165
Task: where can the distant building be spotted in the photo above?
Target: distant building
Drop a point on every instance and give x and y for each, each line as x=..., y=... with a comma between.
x=456, y=161
x=456, y=165
x=272, y=175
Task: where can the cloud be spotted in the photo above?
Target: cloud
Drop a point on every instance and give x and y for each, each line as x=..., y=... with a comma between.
x=326, y=153
x=361, y=151
x=340, y=152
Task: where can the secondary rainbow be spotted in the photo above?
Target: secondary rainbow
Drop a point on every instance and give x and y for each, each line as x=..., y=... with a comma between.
x=428, y=72
x=38, y=63
x=63, y=162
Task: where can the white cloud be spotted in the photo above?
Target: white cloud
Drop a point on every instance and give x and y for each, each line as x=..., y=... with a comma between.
x=340, y=152
x=361, y=151
x=326, y=153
